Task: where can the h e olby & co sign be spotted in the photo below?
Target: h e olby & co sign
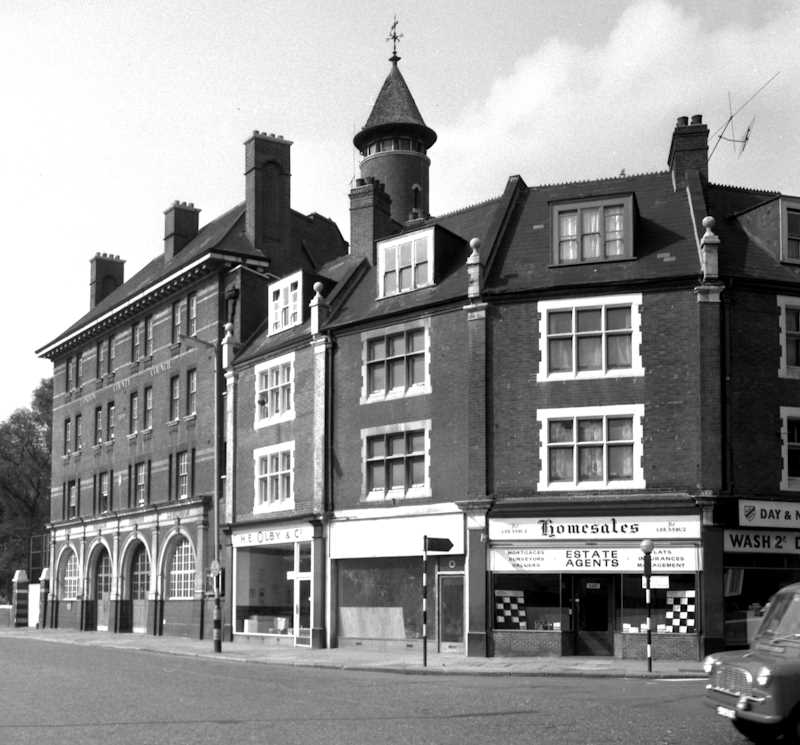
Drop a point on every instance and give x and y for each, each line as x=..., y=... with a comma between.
x=611, y=528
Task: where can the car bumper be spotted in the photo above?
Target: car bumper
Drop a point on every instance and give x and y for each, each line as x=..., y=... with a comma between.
x=754, y=709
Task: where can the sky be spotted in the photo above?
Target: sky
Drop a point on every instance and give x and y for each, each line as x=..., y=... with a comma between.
x=113, y=109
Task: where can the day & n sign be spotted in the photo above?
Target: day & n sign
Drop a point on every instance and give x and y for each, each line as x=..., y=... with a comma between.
x=757, y=513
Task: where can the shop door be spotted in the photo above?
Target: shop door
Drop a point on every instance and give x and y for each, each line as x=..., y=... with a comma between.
x=451, y=613
x=593, y=604
x=302, y=613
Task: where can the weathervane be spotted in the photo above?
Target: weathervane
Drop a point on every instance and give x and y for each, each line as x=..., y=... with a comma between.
x=394, y=37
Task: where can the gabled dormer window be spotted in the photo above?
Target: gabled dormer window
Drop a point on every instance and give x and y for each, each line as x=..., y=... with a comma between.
x=284, y=303
x=590, y=231
x=405, y=263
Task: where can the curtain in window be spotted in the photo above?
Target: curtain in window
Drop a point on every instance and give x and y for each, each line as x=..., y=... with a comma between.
x=590, y=230
x=568, y=236
x=614, y=231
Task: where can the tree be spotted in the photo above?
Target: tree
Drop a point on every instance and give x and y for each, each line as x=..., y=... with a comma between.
x=25, y=442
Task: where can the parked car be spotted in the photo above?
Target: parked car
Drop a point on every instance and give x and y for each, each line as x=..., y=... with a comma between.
x=758, y=689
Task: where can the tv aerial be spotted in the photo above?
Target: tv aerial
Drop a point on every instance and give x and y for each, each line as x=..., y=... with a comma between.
x=723, y=135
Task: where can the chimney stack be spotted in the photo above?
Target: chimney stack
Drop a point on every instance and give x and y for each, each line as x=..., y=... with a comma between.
x=370, y=217
x=107, y=273
x=268, y=195
x=688, y=150
x=181, y=222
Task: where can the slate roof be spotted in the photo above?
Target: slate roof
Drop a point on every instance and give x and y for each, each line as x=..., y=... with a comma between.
x=394, y=109
x=315, y=238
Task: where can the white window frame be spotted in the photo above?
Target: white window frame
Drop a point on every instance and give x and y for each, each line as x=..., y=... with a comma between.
x=545, y=307
x=413, y=492
x=787, y=483
x=104, y=492
x=787, y=204
x=264, y=453
x=181, y=571
x=70, y=579
x=626, y=201
x=418, y=389
x=785, y=370
x=544, y=416
x=182, y=475
x=384, y=247
x=140, y=483
x=265, y=368
x=287, y=310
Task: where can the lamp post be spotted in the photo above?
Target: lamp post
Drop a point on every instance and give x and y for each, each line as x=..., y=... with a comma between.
x=216, y=346
x=646, y=547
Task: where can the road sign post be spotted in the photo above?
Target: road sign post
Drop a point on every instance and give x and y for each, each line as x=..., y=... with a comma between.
x=429, y=544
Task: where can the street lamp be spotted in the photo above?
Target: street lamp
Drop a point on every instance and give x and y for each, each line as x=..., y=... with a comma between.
x=646, y=547
x=216, y=569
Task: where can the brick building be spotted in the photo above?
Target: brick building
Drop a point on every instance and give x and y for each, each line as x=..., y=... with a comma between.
x=544, y=379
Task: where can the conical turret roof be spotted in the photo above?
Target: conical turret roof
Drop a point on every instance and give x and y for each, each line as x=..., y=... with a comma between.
x=396, y=112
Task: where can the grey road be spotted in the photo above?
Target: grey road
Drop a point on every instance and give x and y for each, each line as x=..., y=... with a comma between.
x=63, y=694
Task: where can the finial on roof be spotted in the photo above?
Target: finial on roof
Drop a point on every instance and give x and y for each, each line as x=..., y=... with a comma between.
x=394, y=37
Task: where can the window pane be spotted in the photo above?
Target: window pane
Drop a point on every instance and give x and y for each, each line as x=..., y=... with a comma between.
x=405, y=278
x=396, y=475
x=560, y=464
x=590, y=430
x=397, y=374
x=421, y=274
x=618, y=318
x=405, y=254
x=376, y=378
x=389, y=283
x=568, y=251
x=591, y=246
x=416, y=370
x=559, y=355
x=794, y=462
x=560, y=430
x=590, y=219
x=589, y=320
x=416, y=442
x=375, y=476
x=375, y=447
x=618, y=351
x=415, y=341
x=567, y=225
x=376, y=349
x=416, y=471
x=590, y=463
x=589, y=353
x=620, y=462
x=559, y=322
x=395, y=444
x=395, y=345
x=794, y=430
x=620, y=429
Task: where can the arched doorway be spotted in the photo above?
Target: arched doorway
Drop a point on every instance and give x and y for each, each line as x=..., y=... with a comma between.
x=102, y=589
x=139, y=585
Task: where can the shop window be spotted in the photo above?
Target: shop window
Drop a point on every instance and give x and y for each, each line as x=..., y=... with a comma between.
x=396, y=362
x=600, y=230
x=181, y=573
x=380, y=596
x=405, y=263
x=285, y=297
x=590, y=338
x=674, y=609
x=396, y=461
x=274, y=478
x=70, y=577
x=265, y=589
x=591, y=448
x=790, y=448
x=274, y=391
x=789, y=336
x=528, y=603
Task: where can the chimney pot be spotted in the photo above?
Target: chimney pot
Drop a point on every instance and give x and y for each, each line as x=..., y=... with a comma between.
x=697, y=119
x=682, y=121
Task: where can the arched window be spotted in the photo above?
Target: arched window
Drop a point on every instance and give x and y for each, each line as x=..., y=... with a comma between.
x=140, y=574
x=70, y=578
x=181, y=571
x=103, y=577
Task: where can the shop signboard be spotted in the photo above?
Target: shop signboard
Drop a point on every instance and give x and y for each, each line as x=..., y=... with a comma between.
x=761, y=542
x=601, y=528
x=594, y=560
x=759, y=513
x=271, y=534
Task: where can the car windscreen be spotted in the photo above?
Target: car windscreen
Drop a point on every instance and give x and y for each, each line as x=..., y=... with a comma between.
x=783, y=616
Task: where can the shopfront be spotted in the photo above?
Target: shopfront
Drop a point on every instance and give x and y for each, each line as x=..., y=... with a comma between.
x=274, y=582
x=574, y=585
x=376, y=582
x=760, y=556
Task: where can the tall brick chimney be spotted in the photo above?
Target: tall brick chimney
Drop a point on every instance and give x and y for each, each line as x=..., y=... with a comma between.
x=268, y=195
x=107, y=273
x=370, y=217
x=181, y=221
x=689, y=149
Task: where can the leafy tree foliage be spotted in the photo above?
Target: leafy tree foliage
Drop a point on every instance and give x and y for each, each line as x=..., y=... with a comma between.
x=25, y=442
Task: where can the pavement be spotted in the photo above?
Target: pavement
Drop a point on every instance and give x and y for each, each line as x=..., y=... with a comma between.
x=349, y=658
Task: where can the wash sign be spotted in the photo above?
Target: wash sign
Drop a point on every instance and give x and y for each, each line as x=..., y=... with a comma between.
x=761, y=542
x=756, y=513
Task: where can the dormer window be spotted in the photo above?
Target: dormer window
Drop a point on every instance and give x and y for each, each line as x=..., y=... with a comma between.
x=405, y=263
x=590, y=231
x=790, y=230
x=284, y=298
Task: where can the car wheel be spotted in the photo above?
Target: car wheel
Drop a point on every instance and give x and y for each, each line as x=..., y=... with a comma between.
x=758, y=733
